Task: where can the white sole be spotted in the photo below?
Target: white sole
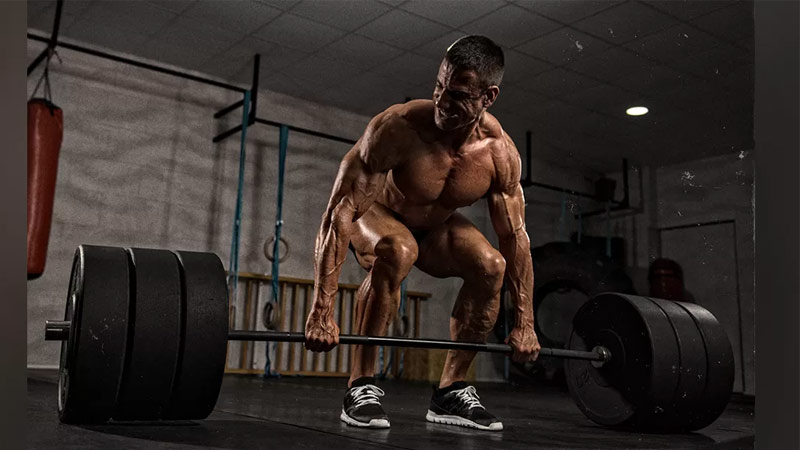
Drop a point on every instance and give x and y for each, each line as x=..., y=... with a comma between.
x=374, y=423
x=461, y=422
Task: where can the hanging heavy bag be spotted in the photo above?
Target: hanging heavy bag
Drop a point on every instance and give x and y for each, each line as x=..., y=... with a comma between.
x=45, y=132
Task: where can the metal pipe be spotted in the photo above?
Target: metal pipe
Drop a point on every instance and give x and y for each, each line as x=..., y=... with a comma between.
x=228, y=109
x=140, y=64
x=307, y=131
x=51, y=44
x=254, y=90
x=59, y=330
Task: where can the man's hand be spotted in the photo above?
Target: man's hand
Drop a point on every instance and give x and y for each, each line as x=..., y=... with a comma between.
x=322, y=332
x=525, y=344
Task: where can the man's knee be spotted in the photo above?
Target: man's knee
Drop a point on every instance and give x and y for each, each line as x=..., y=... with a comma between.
x=491, y=268
x=398, y=253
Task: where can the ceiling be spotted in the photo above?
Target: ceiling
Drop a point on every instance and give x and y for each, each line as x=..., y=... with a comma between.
x=572, y=67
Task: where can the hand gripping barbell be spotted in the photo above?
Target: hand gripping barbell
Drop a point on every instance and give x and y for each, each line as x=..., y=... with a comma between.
x=145, y=334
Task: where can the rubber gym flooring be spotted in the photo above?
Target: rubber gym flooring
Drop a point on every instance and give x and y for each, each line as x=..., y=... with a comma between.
x=303, y=413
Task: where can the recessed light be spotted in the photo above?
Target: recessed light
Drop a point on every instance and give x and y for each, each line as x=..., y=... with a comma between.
x=637, y=111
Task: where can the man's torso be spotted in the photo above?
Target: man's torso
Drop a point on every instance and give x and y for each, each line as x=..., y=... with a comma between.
x=433, y=179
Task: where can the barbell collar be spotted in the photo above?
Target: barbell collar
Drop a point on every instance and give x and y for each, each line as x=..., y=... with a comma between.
x=58, y=330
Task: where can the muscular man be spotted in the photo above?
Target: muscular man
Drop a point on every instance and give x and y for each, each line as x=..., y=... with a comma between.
x=395, y=200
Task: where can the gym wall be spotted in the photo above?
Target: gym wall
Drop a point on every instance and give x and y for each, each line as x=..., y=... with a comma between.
x=137, y=168
x=717, y=257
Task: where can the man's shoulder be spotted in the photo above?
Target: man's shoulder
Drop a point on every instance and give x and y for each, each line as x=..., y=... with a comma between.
x=411, y=114
x=504, y=153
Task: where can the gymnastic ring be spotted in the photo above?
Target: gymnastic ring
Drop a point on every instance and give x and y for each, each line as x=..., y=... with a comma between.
x=270, y=315
x=268, y=249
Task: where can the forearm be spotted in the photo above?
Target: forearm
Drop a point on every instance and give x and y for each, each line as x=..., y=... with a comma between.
x=329, y=255
x=515, y=248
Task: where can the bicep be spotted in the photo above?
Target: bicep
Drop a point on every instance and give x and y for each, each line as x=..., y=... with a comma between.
x=356, y=186
x=507, y=200
x=507, y=211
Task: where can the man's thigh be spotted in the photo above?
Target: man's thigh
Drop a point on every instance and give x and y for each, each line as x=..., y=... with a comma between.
x=378, y=223
x=457, y=248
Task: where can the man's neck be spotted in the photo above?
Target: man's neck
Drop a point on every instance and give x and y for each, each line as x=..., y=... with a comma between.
x=455, y=139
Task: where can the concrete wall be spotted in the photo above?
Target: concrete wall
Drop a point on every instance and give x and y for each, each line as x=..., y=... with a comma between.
x=717, y=256
x=138, y=168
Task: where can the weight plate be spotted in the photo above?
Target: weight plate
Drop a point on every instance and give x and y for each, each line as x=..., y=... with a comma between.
x=720, y=367
x=691, y=367
x=637, y=386
x=92, y=357
x=155, y=323
x=205, y=337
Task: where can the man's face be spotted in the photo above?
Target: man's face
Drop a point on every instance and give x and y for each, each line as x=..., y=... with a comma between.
x=458, y=97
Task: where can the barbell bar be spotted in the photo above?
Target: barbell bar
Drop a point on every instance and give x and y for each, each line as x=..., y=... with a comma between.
x=145, y=332
x=58, y=330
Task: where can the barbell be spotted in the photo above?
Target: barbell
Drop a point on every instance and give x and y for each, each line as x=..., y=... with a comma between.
x=145, y=332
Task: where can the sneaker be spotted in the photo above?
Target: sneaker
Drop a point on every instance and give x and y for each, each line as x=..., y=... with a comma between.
x=361, y=407
x=459, y=405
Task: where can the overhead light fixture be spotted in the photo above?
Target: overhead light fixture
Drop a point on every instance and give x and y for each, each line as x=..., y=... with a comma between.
x=637, y=111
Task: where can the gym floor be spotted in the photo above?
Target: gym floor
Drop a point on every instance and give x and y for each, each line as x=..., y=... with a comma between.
x=253, y=412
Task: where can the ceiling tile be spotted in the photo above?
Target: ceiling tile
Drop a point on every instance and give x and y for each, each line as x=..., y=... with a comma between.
x=686, y=10
x=194, y=37
x=243, y=17
x=110, y=37
x=734, y=22
x=652, y=79
x=402, y=29
x=566, y=11
x=135, y=17
x=410, y=67
x=610, y=65
x=236, y=63
x=176, y=6
x=343, y=14
x=674, y=44
x=563, y=46
x=452, y=12
x=558, y=81
x=519, y=101
x=284, y=5
x=175, y=55
x=511, y=25
x=299, y=33
x=436, y=48
x=359, y=50
x=286, y=84
x=604, y=98
x=42, y=14
x=321, y=71
x=625, y=22
x=519, y=68
x=715, y=62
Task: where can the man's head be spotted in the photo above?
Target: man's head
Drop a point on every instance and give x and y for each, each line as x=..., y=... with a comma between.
x=468, y=81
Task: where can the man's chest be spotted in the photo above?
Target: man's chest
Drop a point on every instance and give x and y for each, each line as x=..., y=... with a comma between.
x=434, y=175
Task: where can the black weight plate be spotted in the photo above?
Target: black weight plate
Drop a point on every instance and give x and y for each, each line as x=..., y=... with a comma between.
x=720, y=367
x=637, y=386
x=691, y=367
x=153, y=344
x=205, y=337
x=655, y=408
x=92, y=357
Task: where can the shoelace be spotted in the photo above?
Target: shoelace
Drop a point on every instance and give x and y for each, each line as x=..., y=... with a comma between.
x=367, y=394
x=469, y=396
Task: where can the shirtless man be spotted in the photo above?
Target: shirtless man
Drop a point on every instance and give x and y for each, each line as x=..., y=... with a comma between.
x=394, y=201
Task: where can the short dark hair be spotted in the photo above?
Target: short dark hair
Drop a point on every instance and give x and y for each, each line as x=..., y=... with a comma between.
x=480, y=54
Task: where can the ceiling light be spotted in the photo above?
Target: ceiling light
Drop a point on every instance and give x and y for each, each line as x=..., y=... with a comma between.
x=637, y=111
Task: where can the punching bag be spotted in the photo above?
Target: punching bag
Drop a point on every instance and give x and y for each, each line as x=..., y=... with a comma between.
x=45, y=131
